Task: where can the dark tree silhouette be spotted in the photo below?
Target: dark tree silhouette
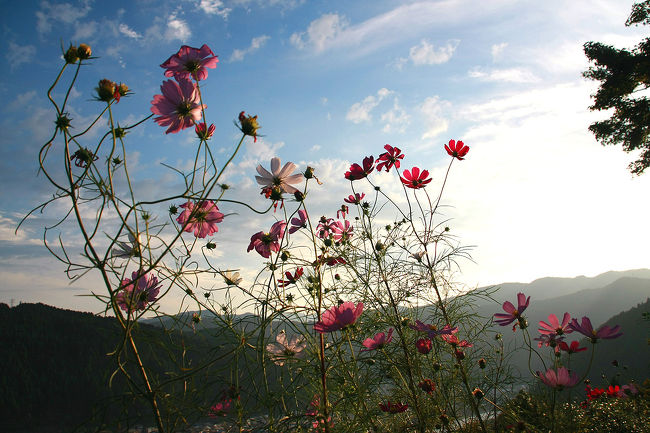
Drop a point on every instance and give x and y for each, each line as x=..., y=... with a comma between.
x=623, y=74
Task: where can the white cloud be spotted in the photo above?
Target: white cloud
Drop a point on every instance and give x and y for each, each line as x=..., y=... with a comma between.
x=315, y=148
x=66, y=13
x=16, y=54
x=497, y=51
x=433, y=110
x=129, y=32
x=427, y=54
x=320, y=33
x=177, y=29
x=256, y=44
x=396, y=119
x=511, y=75
x=85, y=30
x=360, y=111
x=214, y=7
x=260, y=152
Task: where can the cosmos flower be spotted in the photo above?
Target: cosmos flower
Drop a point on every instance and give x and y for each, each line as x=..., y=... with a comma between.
x=126, y=250
x=178, y=107
x=415, y=179
x=513, y=313
x=393, y=407
x=264, y=243
x=427, y=385
x=204, y=132
x=299, y=222
x=137, y=292
x=559, y=378
x=283, y=350
x=586, y=329
x=324, y=227
x=357, y=172
x=354, y=199
x=190, y=61
x=453, y=341
x=339, y=317
x=201, y=218
x=554, y=327
x=378, y=341
x=222, y=408
x=432, y=330
x=423, y=345
x=549, y=340
x=573, y=348
x=341, y=230
x=280, y=178
x=456, y=150
x=389, y=158
x=291, y=278
x=231, y=278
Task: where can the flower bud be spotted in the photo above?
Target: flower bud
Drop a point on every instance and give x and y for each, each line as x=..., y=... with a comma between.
x=299, y=196
x=106, y=90
x=196, y=318
x=71, y=55
x=249, y=125
x=309, y=173
x=477, y=393
x=211, y=245
x=481, y=363
x=173, y=209
x=84, y=52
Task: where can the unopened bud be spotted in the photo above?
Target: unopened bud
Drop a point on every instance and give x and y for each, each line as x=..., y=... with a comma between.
x=84, y=52
x=71, y=55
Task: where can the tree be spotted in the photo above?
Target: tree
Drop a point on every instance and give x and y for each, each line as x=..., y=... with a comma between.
x=623, y=75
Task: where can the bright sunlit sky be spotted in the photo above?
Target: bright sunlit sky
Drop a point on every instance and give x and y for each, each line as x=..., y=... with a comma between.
x=332, y=82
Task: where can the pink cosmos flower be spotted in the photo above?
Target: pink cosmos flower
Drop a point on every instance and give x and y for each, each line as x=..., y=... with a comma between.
x=573, y=348
x=393, y=407
x=201, y=218
x=553, y=326
x=432, y=330
x=389, y=158
x=178, y=107
x=512, y=312
x=354, y=199
x=299, y=222
x=378, y=341
x=559, y=378
x=549, y=340
x=586, y=329
x=221, y=408
x=264, y=243
x=343, y=211
x=190, y=61
x=324, y=227
x=339, y=317
x=415, y=179
x=341, y=230
x=329, y=260
x=291, y=278
x=456, y=150
x=356, y=172
x=423, y=345
x=453, y=341
x=280, y=178
x=283, y=350
x=204, y=132
x=138, y=291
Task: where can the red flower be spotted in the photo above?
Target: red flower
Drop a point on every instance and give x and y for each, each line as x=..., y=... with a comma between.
x=356, y=172
x=203, y=132
x=390, y=158
x=453, y=340
x=423, y=345
x=378, y=341
x=427, y=385
x=456, y=150
x=393, y=407
x=354, y=199
x=593, y=393
x=415, y=179
x=573, y=348
x=339, y=317
x=291, y=279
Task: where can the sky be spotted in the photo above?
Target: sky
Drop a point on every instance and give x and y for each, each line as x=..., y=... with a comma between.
x=332, y=82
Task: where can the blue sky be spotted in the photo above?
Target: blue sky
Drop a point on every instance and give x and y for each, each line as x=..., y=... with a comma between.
x=333, y=81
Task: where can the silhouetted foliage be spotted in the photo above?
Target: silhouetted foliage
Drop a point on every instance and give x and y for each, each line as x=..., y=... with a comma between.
x=623, y=74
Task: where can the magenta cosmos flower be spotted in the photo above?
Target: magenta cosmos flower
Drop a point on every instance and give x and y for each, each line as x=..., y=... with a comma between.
x=264, y=243
x=339, y=317
x=456, y=150
x=389, y=158
x=222, y=408
x=378, y=341
x=554, y=327
x=178, y=107
x=279, y=178
x=341, y=230
x=574, y=347
x=204, y=132
x=201, y=218
x=138, y=291
x=299, y=222
x=415, y=178
x=423, y=345
x=357, y=172
x=393, y=407
x=454, y=342
x=586, y=329
x=513, y=313
x=192, y=61
x=559, y=379
x=432, y=330
x=291, y=278
x=354, y=199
